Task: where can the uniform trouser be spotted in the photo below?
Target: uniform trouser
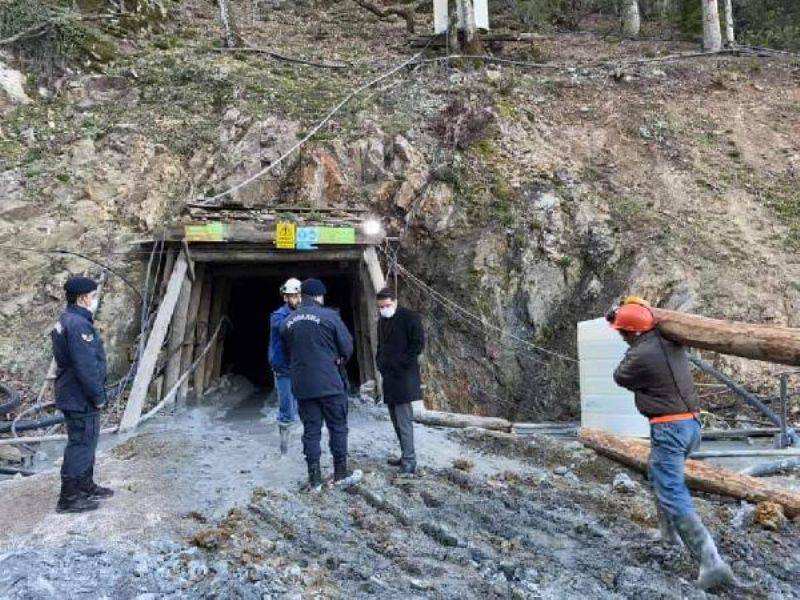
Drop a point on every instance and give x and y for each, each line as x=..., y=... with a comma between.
x=403, y=421
x=331, y=409
x=671, y=445
x=287, y=403
x=83, y=431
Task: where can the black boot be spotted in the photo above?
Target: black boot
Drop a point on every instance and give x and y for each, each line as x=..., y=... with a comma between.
x=93, y=491
x=393, y=461
x=314, y=476
x=72, y=500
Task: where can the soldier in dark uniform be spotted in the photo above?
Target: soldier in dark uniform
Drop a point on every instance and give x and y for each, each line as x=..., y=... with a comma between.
x=317, y=343
x=80, y=392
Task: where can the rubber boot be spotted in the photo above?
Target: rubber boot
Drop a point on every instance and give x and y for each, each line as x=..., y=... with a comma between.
x=669, y=535
x=72, y=500
x=314, y=477
x=714, y=572
x=408, y=466
x=93, y=491
x=284, y=429
x=393, y=461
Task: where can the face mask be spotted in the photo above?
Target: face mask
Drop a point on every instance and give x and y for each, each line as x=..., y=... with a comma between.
x=388, y=312
x=94, y=305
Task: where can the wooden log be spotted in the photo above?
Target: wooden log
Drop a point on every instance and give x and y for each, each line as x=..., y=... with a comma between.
x=201, y=335
x=461, y=421
x=219, y=348
x=759, y=342
x=147, y=362
x=177, y=334
x=187, y=355
x=635, y=453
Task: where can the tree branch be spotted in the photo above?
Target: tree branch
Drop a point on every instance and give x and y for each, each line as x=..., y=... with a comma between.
x=406, y=11
x=36, y=30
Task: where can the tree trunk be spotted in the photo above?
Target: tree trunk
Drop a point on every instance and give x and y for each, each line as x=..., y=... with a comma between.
x=758, y=342
x=631, y=20
x=458, y=420
x=231, y=38
x=730, y=38
x=699, y=476
x=712, y=35
x=470, y=42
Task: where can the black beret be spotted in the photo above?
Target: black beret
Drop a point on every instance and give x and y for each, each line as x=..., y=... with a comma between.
x=313, y=287
x=80, y=285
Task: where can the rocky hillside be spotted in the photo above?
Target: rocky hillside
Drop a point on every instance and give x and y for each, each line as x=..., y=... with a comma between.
x=531, y=196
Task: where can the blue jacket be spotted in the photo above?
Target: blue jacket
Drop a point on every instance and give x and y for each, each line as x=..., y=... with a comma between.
x=277, y=351
x=80, y=360
x=316, y=341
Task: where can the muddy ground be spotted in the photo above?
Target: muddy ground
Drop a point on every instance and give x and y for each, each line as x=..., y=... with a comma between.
x=206, y=507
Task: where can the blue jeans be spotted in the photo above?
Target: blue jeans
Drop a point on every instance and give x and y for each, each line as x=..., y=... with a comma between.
x=287, y=403
x=671, y=444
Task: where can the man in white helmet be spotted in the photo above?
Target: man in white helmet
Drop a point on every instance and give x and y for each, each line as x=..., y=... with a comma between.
x=278, y=360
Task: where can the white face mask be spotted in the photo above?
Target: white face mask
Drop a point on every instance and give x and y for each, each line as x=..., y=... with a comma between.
x=94, y=305
x=388, y=312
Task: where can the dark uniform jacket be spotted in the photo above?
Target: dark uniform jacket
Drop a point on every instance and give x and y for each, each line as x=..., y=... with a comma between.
x=400, y=342
x=80, y=360
x=657, y=371
x=316, y=342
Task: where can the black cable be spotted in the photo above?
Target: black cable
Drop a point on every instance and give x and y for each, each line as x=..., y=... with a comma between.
x=5, y=426
x=79, y=255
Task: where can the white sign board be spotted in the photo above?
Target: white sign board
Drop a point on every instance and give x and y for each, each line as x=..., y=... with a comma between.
x=605, y=405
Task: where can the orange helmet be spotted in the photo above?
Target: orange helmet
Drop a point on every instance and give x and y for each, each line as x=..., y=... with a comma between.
x=634, y=318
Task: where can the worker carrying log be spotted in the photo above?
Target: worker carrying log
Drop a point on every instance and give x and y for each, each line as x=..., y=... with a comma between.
x=80, y=392
x=657, y=371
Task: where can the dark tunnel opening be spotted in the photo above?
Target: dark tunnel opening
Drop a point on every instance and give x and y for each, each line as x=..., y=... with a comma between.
x=252, y=300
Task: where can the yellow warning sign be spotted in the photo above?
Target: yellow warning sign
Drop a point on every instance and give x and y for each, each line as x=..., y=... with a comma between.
x=285, y=236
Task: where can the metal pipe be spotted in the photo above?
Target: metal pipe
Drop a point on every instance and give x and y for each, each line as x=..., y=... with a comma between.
x=721, y=434
x=772, y=468
x=744, y=393
x=744, y=453
x=784, y=439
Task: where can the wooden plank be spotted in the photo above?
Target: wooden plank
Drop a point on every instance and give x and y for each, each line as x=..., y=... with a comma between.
x=147, y=362
x=189, y=260
x=202, y=333
x=635, y=453
x=264, y=256
x=187, y=355
x=758, y=342
x=221, y=289
x=374, y=269
x=461, y=421
x=220, y=346
x=177, y=334
x=169, y=264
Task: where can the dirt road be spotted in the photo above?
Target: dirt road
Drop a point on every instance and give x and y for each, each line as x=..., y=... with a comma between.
x=206, y=507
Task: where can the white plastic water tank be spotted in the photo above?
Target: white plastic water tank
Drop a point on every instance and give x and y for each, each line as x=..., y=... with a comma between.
x=605, y=405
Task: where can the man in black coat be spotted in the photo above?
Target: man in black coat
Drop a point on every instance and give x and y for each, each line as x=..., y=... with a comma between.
x=317, y=343
x=79, y=392
x=401, y=340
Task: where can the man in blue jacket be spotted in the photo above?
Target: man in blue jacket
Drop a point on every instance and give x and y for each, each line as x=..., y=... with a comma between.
x=79, y=392
x=317, y=344
x=287, y=404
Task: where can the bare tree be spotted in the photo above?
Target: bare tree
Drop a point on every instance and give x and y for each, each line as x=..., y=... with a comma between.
x=730, y=39
x=631, y=19
x=712, y=35
x=231, y=38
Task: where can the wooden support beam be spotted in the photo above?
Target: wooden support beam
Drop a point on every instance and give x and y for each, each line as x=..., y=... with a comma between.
x=189, y=260
x=461, y=421
x=220, y=345
x=187, y=355
x=759, y=342
x=147, y=362
x=635, y=453
x=169, y=264
x=177, y=334
x=221, y=290
x=374, y=268
x=202, y=333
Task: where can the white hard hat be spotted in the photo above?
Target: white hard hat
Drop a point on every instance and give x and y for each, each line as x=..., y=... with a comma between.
x=292, y=286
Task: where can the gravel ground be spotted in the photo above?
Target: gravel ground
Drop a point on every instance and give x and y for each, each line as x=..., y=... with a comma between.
x=207, y=508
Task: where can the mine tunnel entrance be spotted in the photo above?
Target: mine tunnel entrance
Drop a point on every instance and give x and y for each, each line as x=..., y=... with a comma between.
x=255, y=293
